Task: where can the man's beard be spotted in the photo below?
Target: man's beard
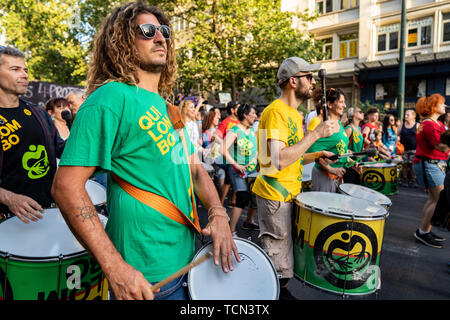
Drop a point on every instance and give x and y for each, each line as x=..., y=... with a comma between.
x=302, y=94
x=152, y=67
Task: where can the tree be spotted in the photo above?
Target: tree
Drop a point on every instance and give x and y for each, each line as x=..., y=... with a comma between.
x=45, y=31
x=57, y=35
x=240, y=44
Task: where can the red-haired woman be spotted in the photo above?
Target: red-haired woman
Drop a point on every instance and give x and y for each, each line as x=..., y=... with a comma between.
x=430, y=162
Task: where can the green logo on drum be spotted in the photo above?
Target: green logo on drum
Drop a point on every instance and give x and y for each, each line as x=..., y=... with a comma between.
x=374, y=180
x=345, y=254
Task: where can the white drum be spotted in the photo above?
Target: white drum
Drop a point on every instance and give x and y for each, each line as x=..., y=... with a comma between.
x=41, y=260
x=254, y=278
x=365, y=193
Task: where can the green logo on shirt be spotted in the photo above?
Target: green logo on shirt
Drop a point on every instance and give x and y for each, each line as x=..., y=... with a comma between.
x=36, y=162
x=293, y=129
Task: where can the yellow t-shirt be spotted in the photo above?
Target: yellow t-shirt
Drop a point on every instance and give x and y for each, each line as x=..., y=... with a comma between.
x=314, y=123
x=283, y=123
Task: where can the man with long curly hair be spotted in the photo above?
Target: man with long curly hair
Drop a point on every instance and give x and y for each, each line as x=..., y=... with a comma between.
x=124, y=128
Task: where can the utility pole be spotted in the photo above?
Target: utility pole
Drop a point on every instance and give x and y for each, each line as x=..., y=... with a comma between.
x=401, y=65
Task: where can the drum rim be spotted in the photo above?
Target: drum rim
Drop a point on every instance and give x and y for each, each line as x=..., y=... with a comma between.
x=17, y=257
x=14, y=257
x=380, y=165
x=245, y=241
x=388, y=204
x=341, y=215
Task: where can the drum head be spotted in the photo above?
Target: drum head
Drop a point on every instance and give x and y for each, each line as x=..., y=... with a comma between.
x=46, y=238
x=307, y=171
x=254, y=278
x=380, y=165
x=365, y=193
x=340, y=205
x=96, y=192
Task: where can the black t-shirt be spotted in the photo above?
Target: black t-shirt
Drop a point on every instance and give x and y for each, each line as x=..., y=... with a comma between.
x=26, y=167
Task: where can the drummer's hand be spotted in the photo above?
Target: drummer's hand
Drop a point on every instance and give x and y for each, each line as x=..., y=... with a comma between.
x=327, y=128
x=338, y=171
x=223, y=244
x=127, y=283
x=358, y=168
x=240, y=168
x=23, y=207
x=326, y=155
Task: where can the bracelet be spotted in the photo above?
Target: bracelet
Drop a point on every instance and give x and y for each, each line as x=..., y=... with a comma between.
x=216, y=207
x=219, y=214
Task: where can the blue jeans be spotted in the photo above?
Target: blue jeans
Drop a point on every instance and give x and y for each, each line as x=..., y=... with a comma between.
x=433, y=174
x=174, y=290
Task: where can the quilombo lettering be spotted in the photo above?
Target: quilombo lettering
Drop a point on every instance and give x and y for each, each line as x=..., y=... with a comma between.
x=158, y=128
x=12, y=140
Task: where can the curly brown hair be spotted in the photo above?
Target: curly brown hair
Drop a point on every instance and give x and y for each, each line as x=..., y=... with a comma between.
x=115, y=57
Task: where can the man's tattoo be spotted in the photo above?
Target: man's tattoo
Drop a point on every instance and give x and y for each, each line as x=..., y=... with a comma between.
x=87, y=212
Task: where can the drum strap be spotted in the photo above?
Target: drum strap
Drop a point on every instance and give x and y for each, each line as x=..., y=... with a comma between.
x=159, y=203
x=277, y=186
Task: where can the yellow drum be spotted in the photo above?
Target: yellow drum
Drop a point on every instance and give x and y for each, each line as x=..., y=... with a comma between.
x=337, y=242
x=381, y=177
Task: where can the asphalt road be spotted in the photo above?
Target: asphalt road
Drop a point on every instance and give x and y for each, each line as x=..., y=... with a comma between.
x=409, y=269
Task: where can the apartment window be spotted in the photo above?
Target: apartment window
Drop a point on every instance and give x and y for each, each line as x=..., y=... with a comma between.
x=446, y=27
x=387, y=37
x=324, y=6
x=348, y=45
x=347, y=4
x=327, y=48
x=419, y=32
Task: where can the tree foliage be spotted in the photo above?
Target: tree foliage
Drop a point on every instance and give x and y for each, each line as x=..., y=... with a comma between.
x=237, y=44
x=45, y=31
x=240, y=44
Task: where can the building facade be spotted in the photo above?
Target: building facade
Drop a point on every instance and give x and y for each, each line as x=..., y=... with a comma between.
x=362, y=43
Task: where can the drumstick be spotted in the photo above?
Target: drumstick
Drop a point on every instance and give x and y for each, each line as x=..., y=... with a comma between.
x=369, y=152
x=182, y=271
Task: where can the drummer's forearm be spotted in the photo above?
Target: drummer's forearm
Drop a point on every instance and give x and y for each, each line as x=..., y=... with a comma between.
x=204, y=187
x=81, y=216
x=289, y=155
x=4, y=196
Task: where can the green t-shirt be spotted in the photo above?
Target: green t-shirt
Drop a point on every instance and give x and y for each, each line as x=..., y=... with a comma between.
x=356, y=140
x=336, y=143
x=126, y=130
x=244, y=151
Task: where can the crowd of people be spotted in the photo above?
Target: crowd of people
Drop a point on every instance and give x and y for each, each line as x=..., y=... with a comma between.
x=152, y=150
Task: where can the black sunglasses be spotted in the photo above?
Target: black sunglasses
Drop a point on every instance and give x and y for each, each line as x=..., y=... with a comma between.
x=308, y=76
x=149, y=30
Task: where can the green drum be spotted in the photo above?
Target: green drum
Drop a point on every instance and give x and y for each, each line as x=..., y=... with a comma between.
x=43, y=261
x=381, y=177
x=337, y=242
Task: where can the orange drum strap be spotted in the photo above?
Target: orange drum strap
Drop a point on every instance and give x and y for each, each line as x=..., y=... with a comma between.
x=159, y=203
